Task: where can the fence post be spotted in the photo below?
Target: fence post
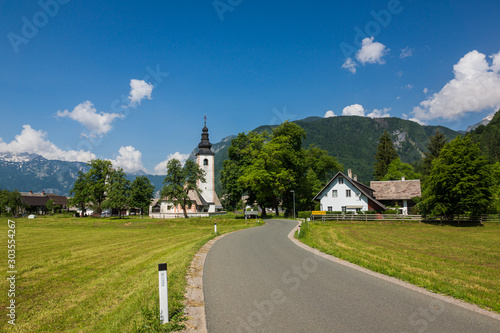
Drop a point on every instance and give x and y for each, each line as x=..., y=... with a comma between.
x=163, y=287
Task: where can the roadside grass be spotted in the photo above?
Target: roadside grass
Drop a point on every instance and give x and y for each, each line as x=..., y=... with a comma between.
x=101, y=275
x=462, y=262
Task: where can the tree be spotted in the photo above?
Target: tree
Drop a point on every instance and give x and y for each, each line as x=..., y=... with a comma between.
x=118, y=191
x=96, y=178
x=80, y=192
x=436, y=143
x=460, y=181
x=397, y=170
x=142, y=192
x=179, y=181
x=4, y=200
x=15, y=202
x=50, y=206
x=386, y=153
x=268, y=167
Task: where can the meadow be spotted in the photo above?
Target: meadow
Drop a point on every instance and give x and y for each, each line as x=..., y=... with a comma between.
x=101, y=274
x=462, y=262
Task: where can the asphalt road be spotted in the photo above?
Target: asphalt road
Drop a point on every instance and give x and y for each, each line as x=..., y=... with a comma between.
x=257, y=280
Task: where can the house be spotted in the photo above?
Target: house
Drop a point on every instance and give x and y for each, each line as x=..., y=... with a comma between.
x=205, y=201
x=37, y=202
x=344, y=193
x=397, y=193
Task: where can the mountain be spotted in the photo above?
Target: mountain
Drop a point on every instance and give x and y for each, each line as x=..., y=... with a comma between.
x=352, y=140
x=30, y=172
x=488, y=137
x=484, y=122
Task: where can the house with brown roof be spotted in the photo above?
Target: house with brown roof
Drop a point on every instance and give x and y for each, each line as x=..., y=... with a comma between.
x=344, y=193
x=37, y=202
x=397, y=193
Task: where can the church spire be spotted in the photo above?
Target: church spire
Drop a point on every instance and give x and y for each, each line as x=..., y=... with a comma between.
x=205, y=147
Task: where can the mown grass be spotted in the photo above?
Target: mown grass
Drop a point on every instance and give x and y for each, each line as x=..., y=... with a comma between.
x=100, y=275
x=463, y=262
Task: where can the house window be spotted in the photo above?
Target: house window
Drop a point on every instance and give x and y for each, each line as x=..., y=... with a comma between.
x=334, y=193
x=341, y=180
x=358, y=210
x=205, y=161
x=348, y=193
x=344, y=209
x=329, y=208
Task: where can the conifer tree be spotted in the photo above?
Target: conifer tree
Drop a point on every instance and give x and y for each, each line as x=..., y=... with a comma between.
x=436, y=143
x=386, y=153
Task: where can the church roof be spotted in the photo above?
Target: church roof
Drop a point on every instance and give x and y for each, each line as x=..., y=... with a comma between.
x=205, y=147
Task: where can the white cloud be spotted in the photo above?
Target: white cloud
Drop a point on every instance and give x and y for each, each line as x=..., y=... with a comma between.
x=399, y=73
x=409, y=86
x=330, y=114
x=86, y=114
x=129, y=160
x=417, y=121
x=35, y=142
x=425, y=91
x=406, y=52
x=371, y=52
x=384, y=113
x=350, y=65
x=476, y=87
x=140, y=89
x=161, y=168
x=354, y=110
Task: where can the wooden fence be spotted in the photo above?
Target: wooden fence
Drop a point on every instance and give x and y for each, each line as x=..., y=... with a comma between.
x=402, y=218
x=365, y=217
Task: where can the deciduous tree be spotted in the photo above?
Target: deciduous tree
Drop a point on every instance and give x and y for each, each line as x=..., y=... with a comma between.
x=118, y=191
x=460, y=181
x=142, y=192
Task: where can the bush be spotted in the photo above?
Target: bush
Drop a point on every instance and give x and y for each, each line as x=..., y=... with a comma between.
x=390, y=211
x=304, y=215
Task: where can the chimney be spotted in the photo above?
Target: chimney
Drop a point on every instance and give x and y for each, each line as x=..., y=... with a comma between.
x=403, y=178
x=355, y=178
x=43, y=192
x=349, y=173
x=31, y=192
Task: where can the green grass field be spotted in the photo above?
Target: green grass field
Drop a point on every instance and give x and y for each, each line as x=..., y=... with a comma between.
x=463, y=262
x=100, y=275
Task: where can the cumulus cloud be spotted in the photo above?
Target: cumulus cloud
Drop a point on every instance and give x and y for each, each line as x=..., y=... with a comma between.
x=96, y=123
x=330, y=114
x=354, y=110
x=129, y=160
x=36, y=142
x=425, y=91
x=161, y=168
x=475, y=87
x=376, y=113
x=371, y=52
x=350, y=65
x=140, y=89
x=406, y=52
x=417, y=121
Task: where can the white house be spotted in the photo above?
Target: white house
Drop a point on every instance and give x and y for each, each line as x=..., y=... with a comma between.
x=205, y=202
x=344, y=193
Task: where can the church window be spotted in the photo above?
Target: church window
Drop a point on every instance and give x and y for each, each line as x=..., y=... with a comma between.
x=205, y=161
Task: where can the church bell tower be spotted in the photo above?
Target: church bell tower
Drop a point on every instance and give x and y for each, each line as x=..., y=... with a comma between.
x=205, y=160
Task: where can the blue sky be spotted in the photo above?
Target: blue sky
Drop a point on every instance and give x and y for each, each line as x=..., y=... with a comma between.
x=130, y=81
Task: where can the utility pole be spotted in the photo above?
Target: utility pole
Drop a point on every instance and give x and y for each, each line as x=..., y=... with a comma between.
x=293, y=193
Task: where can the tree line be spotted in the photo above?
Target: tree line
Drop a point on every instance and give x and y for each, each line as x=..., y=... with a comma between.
x=103, y=187
x=11, y=201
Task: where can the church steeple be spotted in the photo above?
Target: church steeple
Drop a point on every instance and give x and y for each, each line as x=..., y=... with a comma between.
x=205, y=147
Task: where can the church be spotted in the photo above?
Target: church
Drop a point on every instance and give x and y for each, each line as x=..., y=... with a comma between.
x=205, y=201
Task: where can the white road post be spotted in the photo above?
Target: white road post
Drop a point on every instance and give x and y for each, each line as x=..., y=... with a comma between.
x=163, y=284
x=215, y=227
